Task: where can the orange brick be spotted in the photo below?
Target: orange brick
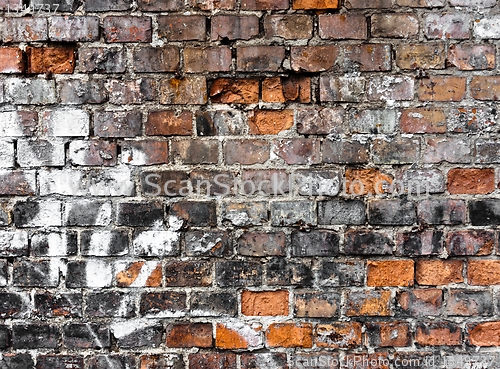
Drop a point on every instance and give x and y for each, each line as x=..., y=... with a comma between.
x=338, y=335
x=11, y=60
x=372, y=181
x=483, y=272
x=278, y=89
x=316, y=4
x=269, y=122
x=368, y=303
x=235, y=335
x=439, y=272
x=438, y=334
x=471, y=181
x=437, y=88
x=390, y=273
x=289, y=335
x=421, y=302
x=484, y=334
x=423, y=120
x=190, y=335
x=51, y=59
x=267, y=303
x=235, y=91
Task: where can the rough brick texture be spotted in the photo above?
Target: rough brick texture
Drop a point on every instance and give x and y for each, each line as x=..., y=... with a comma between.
x=243, y=184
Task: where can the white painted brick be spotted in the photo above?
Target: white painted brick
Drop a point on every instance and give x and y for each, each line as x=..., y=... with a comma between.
x=30, y=91
x=7, y=154
x=156, y=243
x=13, y=243
x=373, y=121
x=40, y=153
x=11, y=124
x=487, y=27
x=66, y=123
x=48, y=215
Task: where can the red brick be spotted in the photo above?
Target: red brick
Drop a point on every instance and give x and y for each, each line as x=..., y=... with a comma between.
x=368, y=303
x=269, y=122
x=259, y=58
x=25, y=29
x=189, y=335
x=209, y=59
x=209, y=4
x=265, y=4
x=246, y=151
x=127, y=29
x=338, y=335
x=264, y=303
x=421, y=56
x=471, y=181
x=471, y=242
x=156, y=59
x=235, y=91
x=442, y=88
x=11, y=60
x=421, y=302
x=485, y=88
x=234, y=27
x=314, y=58
x=195, y=151
x=423, y=120
x=438, y=334
x=160, y=6
x=369, y=57
x=182, y=27
x=362, y=4
x=484, y=334
x=145, y=152
x=188, y=90
x=51, y=59
x=438, y=272
x=372, y=180
x=289, y=335
x=316, y=4
x=312, y=121
x=343, y=26
x=483, y=272
x=169, y=123
x=298, y=150
x=289, y=27
x=390, y=273
x=236, y=335
x=281, y=89
x=394, y=25
x=472, y=57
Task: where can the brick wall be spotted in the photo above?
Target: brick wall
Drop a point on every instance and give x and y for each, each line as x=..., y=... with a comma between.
x=225, y=184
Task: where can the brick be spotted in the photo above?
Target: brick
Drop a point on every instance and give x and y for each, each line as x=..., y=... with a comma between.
x=213, y=304
x=104, y=243
x=182, y=27
x=232, y=27
x=469, y=303
x=421, y=56
x=238, y=273
x=33, y=336
x=449, y=149
x=344, y=152
x=420, y=302
x=287, y=213
x=390, y=273
x=212, y=360
x=289, y=335
x=44, y=213
x=85, y=335
x=65, y=122
x=269, y=121
x=62, y=6
x=376, y=4
x=317, y=304
x=473, y=3
x=279, y=272
x=366, y=181
x=59, y=361
x=90, y=273
x=234, y=335
x=389, y=334
x=269, y=360
x=343, y=26
x=139, y=214
x=155, y=59
x=146, y=152
x=244, y=214
x=483, y=334
x=448, y=26
x=25, y=29
x=366, y=58
x=4, y=337
x=117, y=361
x=117, y=123
x=264, y=303
x=211, y=183
x=472, y=57
x=485, y=88
x=169, y=122
x=419, y=243
x=14, y=243
x=471, y=181
x=487, y=28
x=264, y=5
x=54, y=244
x=438, y=334
x=313, y=58
x=195, y=152
x=487, y=151
x=372, y=121
x=7, y=154
x=317, y=182
x=421, y=3
x=471, y=120
x=337, y=212
x=338, y=335
x=342, y=89
x=131, y=92
x=395, y=151
x=30, y=91
x=367, y=243
x=189, y=90
x=162, y=304
x=289, y=27
x=159, y=6
x=74, y=29
x=198, y=214
x=162, y=183
x=259, y=58
x=17, y=182
x=286, y=89
x=335, y=274
x=423, y=120
x=442, y=89
x=483, y=272
x=262, y=244
x=49, y=305
x=189, y=335
x=161, y=361
x=390, y=88
x=14, y=305
x=75, y=92
x=246, y=151
x=226, y=122
x=316, y=4
x=438, y=272
x=40, y=153
x=298, y=151
x=421, y=181
x=101, y=60
x=470, y=242
x=319, y=121
x=10, y=5
x=268, y=182
x=36, y=273
x=188, y=274
x=107, y=5
x=155, y=243
x=110, y=304
x=207, y=59
x=368, y=303
x=127, y=29
x=138, y=274
x=394, y=25
x=484, y=212
x=11, y=60
x=92, y=152
x=315, y=243
x=235, y=91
